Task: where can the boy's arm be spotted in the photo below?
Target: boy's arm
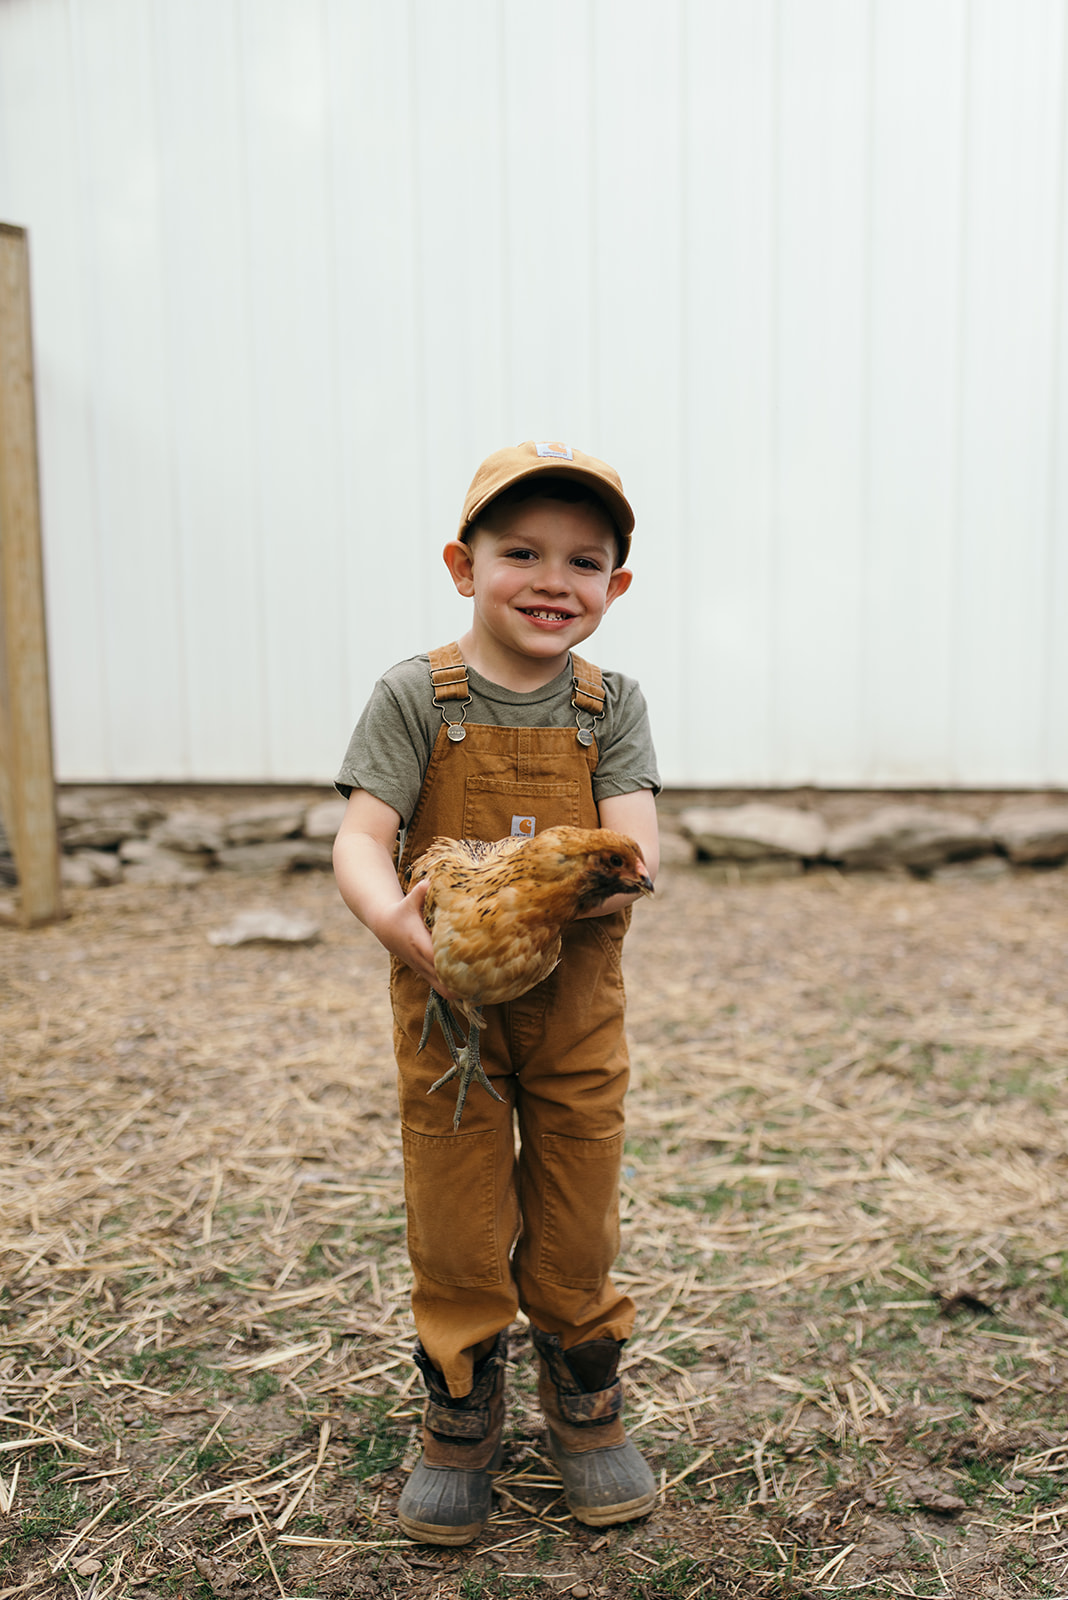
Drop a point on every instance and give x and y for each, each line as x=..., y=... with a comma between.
x=363, y=867
x=635, y=815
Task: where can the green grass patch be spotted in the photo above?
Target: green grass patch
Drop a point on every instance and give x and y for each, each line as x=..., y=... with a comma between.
x=378, y=1445
x=262, y=1385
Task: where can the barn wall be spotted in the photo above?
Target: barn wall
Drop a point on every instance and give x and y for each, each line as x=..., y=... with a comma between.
x=796, y=267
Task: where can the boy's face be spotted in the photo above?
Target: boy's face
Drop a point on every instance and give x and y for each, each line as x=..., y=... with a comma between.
x=542, y=576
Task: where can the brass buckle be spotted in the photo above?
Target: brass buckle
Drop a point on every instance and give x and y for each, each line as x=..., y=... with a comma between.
x=585, y=730
x=456, y=728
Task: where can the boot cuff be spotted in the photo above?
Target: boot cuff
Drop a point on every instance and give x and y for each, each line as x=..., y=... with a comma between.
x=578, y=1405
x=468, y=1418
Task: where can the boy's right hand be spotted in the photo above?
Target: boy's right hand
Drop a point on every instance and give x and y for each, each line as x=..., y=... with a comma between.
x=404, y=933
x=367, y=879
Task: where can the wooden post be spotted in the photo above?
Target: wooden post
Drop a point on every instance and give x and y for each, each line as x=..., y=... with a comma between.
x=27, y=788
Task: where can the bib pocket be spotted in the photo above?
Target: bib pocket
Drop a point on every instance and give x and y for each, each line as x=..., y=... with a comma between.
x=490, y=804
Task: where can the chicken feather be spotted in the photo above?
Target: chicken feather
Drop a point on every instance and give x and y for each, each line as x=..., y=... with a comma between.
x=496, y=914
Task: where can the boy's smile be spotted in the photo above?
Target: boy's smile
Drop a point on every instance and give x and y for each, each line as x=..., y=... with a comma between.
x=541, y=581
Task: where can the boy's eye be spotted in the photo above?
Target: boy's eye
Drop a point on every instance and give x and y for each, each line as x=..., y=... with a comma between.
x=520, y=555
x=587, y=565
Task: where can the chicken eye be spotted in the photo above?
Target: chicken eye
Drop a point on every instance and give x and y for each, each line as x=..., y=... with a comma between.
x=616, y=861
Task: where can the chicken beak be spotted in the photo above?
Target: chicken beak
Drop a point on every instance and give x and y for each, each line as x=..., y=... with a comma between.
x=644, y=883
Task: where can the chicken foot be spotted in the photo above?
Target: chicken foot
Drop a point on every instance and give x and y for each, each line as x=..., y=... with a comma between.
x=437, y=1006
x=466, y=1063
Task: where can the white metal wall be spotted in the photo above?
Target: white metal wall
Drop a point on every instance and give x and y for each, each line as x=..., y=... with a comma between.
x=795, y=266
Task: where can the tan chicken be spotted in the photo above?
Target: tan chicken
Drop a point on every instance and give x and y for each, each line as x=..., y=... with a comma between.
x=496, y=913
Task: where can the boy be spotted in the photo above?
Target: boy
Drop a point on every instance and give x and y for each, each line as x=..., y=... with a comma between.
x=540, y=551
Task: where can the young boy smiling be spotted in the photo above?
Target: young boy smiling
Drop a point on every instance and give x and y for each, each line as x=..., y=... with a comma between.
x=508, y=731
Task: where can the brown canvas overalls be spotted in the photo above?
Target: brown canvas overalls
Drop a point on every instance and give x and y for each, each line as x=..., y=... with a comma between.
x=557, y=1055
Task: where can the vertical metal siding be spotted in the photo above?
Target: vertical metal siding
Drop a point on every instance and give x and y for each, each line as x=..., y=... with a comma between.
x=916, y=212
x=796, y=268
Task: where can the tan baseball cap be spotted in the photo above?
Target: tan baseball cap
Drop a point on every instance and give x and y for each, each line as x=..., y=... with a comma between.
x=523, y=461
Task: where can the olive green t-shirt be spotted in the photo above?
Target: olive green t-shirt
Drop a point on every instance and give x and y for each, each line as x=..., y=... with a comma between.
x=391, y=745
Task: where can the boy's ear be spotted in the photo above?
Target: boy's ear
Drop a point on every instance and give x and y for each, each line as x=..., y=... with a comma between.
x=618, y=583
x=457, y=557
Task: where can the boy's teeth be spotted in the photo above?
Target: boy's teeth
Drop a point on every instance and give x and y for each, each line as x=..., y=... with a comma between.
x=550, y=616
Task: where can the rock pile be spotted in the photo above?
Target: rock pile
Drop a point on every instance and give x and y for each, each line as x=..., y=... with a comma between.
x=119, y=835
x=766, y=840
x=125, y=835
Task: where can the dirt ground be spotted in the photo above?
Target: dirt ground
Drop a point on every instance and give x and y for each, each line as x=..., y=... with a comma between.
x=845, y=1210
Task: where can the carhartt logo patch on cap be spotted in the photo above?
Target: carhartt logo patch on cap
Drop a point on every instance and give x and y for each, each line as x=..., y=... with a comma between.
x=524, y=827
x=553, y=447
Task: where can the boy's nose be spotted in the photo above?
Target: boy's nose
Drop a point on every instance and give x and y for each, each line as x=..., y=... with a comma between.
x=554, y=580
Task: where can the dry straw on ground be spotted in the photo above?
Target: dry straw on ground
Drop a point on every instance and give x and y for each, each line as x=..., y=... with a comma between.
x=845, y=1206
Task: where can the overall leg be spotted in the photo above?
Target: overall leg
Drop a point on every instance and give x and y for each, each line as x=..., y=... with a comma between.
x=568, y=1034
x=459, y=1190
x=462, y=1215
x=574, y=1076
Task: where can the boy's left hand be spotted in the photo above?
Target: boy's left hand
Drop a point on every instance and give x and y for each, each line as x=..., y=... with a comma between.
x=635, y=815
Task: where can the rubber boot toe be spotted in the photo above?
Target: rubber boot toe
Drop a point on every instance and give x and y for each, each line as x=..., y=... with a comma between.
x=611, y=1484
x=446, y=1505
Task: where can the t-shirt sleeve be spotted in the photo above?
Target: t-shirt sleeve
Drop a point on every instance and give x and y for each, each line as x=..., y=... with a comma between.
x=390, y=747
x=627, y=760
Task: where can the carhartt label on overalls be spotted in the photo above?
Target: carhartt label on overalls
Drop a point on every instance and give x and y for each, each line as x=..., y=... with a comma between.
x=526, y=827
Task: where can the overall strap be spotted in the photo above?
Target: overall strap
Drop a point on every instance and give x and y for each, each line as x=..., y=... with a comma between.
x=589, y=696
x=449, y=678
x=448, y=673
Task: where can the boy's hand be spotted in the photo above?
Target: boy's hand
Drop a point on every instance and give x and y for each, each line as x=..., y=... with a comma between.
x=635, y=815
x=363, y=864
x=404, y=933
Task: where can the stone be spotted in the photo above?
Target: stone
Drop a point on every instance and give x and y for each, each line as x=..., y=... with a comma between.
x=675, y=851
x=76, y=873
x=191, y=830
x=1032, y=833
x=145, y=862
x=104, y=867
x=131, y=850
x=138, y=852
x=322, y=820
x=273, y=855
x=269, y=926
x=102, y=818
x=933, y=1498
x=313, y=853
x=754, y=831
x=266, y=822
x=918, y=837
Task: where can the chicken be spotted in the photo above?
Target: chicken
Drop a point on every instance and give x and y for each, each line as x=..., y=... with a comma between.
x=496, y=913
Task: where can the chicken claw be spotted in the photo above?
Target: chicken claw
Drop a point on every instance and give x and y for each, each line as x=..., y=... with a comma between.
x=437, y=1007
x=466, y=1063
x=466, y=1066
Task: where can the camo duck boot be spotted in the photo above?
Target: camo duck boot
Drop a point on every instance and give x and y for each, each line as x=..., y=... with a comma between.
x=448, y=1498
x=606, y=1479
